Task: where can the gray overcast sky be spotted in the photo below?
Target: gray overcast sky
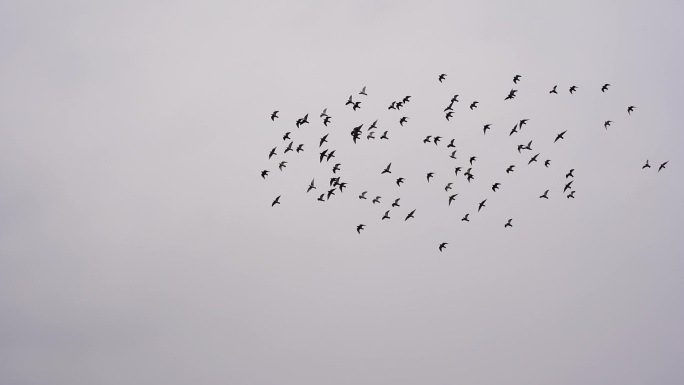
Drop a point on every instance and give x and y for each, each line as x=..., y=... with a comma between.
x=138, y=245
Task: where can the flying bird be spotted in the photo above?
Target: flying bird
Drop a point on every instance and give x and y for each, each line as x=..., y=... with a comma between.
x=359, y=228
x=442, y=246
x=330, y=193
x=323, y=140
x=646, y=165
x=304, y=120
x=442, y=77
x=454, y=99
x=286, y=136
x=448, y=186
x=282, y=165
x=567, y=186
x=406, y=99
x=522, y=123
x=605, y=87
x=384, y=135
x=473, y=105
x=544, y=195
x=516, y=78
x=547, y=163
x=322, y=155
x=436, y=139
x=662, y=166
x=553, y=91
x=386, y=216
x=607, y=123
x=264, y=173
x=371, y=135
x=453, y=155
x=324, y=113
x=273, y=152
x=571, y=195
x=326, y=121
x=410, y=215
x=486, y=127
x=349, y=101
x=482, y=204
x=465, y=218
x=392, y=106
x=336, y=168
x=363, y=195
x=630, y=109
x=274, y=115
x=451, y=144
x=449, y=115
x=400, y=181
x=456, y=170
x=377, y=199
x=569, y=174
x=363, y=91
x=396, y=203
x=427, y=139
x=373, y=125
x=533, y=159
x=511, y=94
x=560, y=136
x=276, y=201
x=331, y=154
x=472, y=159
x=495, y=186
x=403, y=120
x=289, y=148
x=508, y=224
x=300, y=148
x=320, y=198
x=451, y=198
x=514, y=130
x=510, y=169
x=387, y=169
x=573, y=89
x=356, y=106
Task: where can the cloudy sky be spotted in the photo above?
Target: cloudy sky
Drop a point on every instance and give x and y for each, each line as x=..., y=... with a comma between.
x=138, y=243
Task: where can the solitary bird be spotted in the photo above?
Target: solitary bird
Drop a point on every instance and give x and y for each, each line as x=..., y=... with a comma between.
x=336, y=168
x=572, y=194
x=662, y=166
x=430, y=175
x=311, y=186
x=485, y=128
x=473, y=104
x=449, y=115
x=465, y=218
x=320, y=198
x=273, y=152
x=400, y=181
x=560, y=136
x=448, y=186
x=359, y=228
x=573, y=89
x=553, y=91
x=403, y=120
x=442, y=77
x=508, y=224
x=607, y=123
x=442, y=246
x=387, y=169
x=495, y=186
x=605, y=87
x=510, y=169
x=516, y=78
x=410, y=215
x=363, y=195
x=264, y=173
x=300, y=148
x=282, y=165
x=569, y=174
x=630, y=109
x=451, y=198
x=533, y=159
x=286, y=136
x=386, y=216
x=547, y=163
x=274, y=115
x=545, y=195
x=363, y=91
x=276, y=201
x=646, y=165
x=482, y=204
x=472, y=159
x=396, y=203
x=384, y=135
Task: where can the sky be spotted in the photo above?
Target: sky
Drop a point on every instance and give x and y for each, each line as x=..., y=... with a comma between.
x=138, y=243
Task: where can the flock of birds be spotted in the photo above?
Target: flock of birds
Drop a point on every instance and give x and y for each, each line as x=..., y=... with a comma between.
x=336, y=184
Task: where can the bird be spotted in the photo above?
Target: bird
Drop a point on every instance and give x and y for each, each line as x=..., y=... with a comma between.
x=410, y=215
x=403, y=120
x=522, y=123
x=451, y=144
x=399, y=105
x=336, y=168
x=510, y=169
x=289, y=148
x=342, y=185
x=646, y=165
x=363, y=195
x=384, y=135
x=406, y=99
x=400, y=181
x=605, y=87
x=377, y=199
x=516, y=78
x=511, y=94
x=273, y=152
x=454, y=99
x=449, y=107
x=533, y=159
x=286, y=136
x=320, y=198
x=331, y=154
x=323, y=140
x=486, y=127
x=482, y=204
x=386, y=216
x=324, y=113
x=470, y=176
x=360, y=227
x=330, y=193
x=363, y=91
x=451, y=198
x=607, y=123
x=553, y=91
x=544, y=195
x=573, y=89
x=662, y=166
x=373, y=125
x=508, y=224
x=456, y=170
x=274, y=115
x=473, y=104
x=326, y=120
x=630, y=109
x=514, y=130
x=448, y=186
x=427, y=139
x=569, y=174
x=396, y=203
x=520, y=147
x=572, y=194
x=495, y=186
x=334, y=181
x=371, y=135
x=311, y=186
x=449, y=115
x=304, y=120
x=356, y=106
x=349, y=101
x=322, y=155
x=465, y=218
x=567, y=186
x=387, y=169
x=453, y=155
x=392, y=106
x=264, y=173
x=472, y=159
x=282, y=165
x=430, y=175
x=276, y=201
x=529, y=146
x=547, y=163
x=560, y=136
x=300, y=148
x=436, y=139
x=442, y=77
x=442, y=246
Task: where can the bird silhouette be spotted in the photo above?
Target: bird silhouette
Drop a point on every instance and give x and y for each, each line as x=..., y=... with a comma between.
x=485, y=128
x=482, y=204
x=386, y=216
x=448, y=186
x=410, y=215
x=545, y=195
x=453, y=155
x=282, y=165
x=451, y=198
x=273, y=152
x=451, y=144
x=605, y=87
x=662, y=166
x=324, y=113
x=630, y=109
x=349, y=101
x=508, y=224
x=560, y=136
x=511, y=95
x=392, y=106
x=472, y=159
x=529, y=146
x=384, y=135
x=573, y=89
x=300, y=148
x=571, y=195
x=363, y=195
x=311, y=186
x=510, y=169
x=387, y=169
x=403, y=120
x=363, y=91
x=406, y=99
x=646, y=165
x=449, y=115
x=567, y=186
x=373, y=125
x=274, y=115
x=289, y=148
x=514, y=130
x=360, y=227
x=430, y=175
x=320, y=198
x=522, y=123
x=304, y=120
x=569, y=174
x=323, y=140
x=436, y=139
x=442, y=246
x=276, y=201
x=396, y=203
x=264, y=173
x=331, y=192
x=465, y=218
x=533, y=159
x=377, y=199
x=607, y=123
x=495, y=186
x=322, y=155
x=400, y=181
x=473, y=104
x=427, y=139
x=330, y=155
x=547, y=163
x=336, y=168
x=356, y=106
x=553, y=91
x=516, y=78
x=286, y=136
x=442, y=77
x=371, y=135
x=326, y=121
x=454, y=99
x=456, y=170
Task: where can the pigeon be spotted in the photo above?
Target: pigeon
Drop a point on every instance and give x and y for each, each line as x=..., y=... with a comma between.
x=274, y=115
x=454, y=99
x=508, y=224
x=472, y=159
x=303, y=120
x=392, y=106
x=359, y=228
x=331, y=154
x=336, y=168
x=323, y=140
x=324, y=113
x=356, y=106
x=363, y=195
x=276, y=201
x=573, y=89
x=449, y=115
x=448, y=186
x=545, y=196
x=320, y=198
x=300, y=148
x=410, y=215
x=286, y=136
x=384, y=135
x=646, y=165
x=430, y=175
x=289, y=148
x=442, y=246
x=514, y=130
x=662, y=166
x=456, y=170
x=374, y=125
x=326, y=121
x=547, y=163
x=377, y=199
x=486, y=127
x=451, y=144
x=511, y=95
x=516, y=78
x=427, y=139
x=330, y=193
x=311, y=186
x=567, y=186
x=363, y=91
x=533, y=159
x=371, y=135
x=282, y=165
x=522, y=123
x=453, y=155
x=406, y=99
x=349, y=101
x=572, y=194
x=322, y=155
x=436, y=139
